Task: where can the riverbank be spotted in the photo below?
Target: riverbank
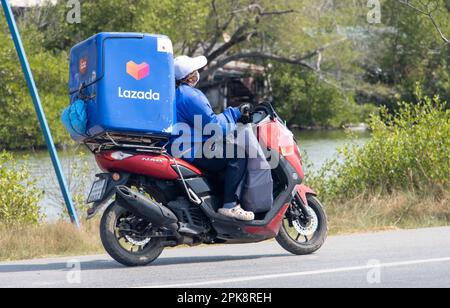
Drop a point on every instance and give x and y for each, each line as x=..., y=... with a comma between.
x=359, y=215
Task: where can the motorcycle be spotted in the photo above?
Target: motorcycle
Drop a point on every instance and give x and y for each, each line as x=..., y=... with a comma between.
x=160, y=201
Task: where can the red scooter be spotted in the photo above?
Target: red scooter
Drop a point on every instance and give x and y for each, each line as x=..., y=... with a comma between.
x=160, y=201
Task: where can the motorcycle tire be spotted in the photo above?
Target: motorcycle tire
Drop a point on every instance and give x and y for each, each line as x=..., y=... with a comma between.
x=316, y=241
x=112, y=246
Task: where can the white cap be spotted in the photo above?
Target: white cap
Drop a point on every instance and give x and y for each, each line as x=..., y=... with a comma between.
x=185, y=65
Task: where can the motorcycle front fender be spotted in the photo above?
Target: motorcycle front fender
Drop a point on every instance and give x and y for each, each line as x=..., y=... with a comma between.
x=304, y=191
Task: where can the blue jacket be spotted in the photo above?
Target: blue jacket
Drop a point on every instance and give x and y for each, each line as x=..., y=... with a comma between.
x=192, y=102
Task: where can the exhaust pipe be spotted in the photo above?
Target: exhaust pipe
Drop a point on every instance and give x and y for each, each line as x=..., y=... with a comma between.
x=141, y=206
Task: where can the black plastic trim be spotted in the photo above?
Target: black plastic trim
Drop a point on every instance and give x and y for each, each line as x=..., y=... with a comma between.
x=186, y=172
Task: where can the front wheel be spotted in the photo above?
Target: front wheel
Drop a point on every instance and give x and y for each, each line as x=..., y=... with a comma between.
x=125, y=237
x=302, y=236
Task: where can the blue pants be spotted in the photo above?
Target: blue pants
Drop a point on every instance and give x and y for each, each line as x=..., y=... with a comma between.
x=234, y=170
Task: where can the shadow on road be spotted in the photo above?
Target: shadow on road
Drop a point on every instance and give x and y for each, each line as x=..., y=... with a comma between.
x=59, y=266
x=111, y=264
x=212, y=259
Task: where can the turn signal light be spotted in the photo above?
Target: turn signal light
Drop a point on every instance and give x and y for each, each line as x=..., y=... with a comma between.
x=116, y=177
x=287, y=150
x=119, y=155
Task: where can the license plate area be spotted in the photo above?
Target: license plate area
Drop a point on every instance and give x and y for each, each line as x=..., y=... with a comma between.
x=97, y=191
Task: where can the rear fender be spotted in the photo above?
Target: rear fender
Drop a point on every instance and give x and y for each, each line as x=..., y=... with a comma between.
x=304, y=191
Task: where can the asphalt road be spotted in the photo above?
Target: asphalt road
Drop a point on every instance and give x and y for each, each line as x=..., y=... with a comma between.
x=414, y=258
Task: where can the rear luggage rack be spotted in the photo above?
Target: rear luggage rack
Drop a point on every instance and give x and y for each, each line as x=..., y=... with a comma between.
x=139, y=142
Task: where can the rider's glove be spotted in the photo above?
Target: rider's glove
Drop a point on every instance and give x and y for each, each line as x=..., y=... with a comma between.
x=246, y=113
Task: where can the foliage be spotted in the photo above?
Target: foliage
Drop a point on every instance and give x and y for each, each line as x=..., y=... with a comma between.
x=19, y=126
x=79, y=176
x=303, y=99
x=409, y=151
x=334, y=61
x=19, y=198
x=97, y=16
x=410, y=50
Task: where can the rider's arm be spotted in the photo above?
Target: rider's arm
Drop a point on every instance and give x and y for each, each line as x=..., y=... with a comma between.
x=200, y=106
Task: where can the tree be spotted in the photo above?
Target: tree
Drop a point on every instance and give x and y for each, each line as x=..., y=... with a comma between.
x=19, y=127
x=302, y=99
x=222, y=30
x=412, y=51
x=323, y=53
x=429, y=9
x=96, y=16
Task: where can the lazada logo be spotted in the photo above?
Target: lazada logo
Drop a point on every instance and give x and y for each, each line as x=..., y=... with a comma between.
x=138, y=71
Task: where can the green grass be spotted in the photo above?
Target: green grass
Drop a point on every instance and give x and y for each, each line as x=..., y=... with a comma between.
x=48, y=240
x=398, y=210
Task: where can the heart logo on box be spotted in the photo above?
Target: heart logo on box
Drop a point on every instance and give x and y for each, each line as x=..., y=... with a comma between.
x=83, y=65
x=138, y=71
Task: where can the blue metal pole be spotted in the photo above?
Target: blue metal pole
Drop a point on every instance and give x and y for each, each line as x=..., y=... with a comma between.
x=39, y=110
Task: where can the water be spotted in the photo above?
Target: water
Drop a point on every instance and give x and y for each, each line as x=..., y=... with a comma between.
x=318, y=145
x=41, y=168
x=321, y=146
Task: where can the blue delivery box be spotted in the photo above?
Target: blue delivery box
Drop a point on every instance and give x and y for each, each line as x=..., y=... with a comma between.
x=127, y=81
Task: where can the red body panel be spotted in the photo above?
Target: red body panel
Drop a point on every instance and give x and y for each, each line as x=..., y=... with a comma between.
x=279, y=138
x=303, y=191
x=272, y=229
x=155, y=166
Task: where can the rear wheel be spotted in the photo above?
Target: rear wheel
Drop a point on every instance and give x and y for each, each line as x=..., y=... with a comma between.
x=125, y=237
x=302, y=236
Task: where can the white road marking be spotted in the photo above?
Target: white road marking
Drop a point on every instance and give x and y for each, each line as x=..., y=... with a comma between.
x=300, y=274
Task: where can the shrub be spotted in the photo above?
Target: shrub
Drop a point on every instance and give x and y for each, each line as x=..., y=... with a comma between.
x=79, y=175
x=409, y=151
x=19, y=127
x=19, y=197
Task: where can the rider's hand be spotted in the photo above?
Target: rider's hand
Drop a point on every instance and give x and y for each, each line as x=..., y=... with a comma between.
x=246, y=113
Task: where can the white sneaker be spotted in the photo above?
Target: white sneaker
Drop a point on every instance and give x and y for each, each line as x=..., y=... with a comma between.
x=237, y=213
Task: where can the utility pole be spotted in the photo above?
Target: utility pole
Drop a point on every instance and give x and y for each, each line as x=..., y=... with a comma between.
x=39, y=111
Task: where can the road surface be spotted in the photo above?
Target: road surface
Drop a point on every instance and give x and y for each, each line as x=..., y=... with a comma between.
x=413, y=258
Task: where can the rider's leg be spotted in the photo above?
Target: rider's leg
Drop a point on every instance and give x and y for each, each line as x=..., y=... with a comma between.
x=234, y=174
x=235, y=169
